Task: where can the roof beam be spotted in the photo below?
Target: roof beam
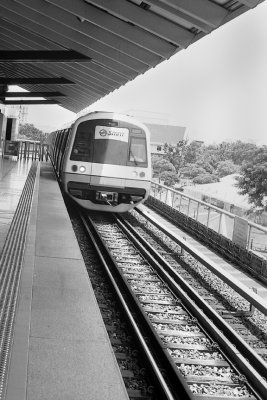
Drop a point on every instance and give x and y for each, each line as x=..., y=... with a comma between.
x=25, y=56
x=31, y=94
x=78, y=90
x=147, y=20
x=109, y=23
x=79, y=73
x=17, y=37
x=203, y=10
x=250, y=3
x=35, y=81
x=187, y=20
x=94, y=36
x=29, y=102
x=41, y=25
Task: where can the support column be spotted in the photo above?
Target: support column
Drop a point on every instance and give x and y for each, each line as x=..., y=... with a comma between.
x=3, y=122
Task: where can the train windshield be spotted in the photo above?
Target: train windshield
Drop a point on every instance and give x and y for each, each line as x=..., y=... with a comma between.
x=109, y=142
x=137, y=150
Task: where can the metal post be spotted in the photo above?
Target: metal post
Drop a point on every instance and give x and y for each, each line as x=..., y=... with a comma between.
x=208, y=220
x=28, y=149
x=188, y=207
x=180, y=202
x=220, y=222
x=198, y=204
x=249, y=235
x=25, y=150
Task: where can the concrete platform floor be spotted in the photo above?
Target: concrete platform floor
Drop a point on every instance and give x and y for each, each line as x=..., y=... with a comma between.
x=61, y=349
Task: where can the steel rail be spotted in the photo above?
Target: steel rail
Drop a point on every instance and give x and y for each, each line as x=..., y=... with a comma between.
x=241, y=355
x=157, y=375
x=251, y=297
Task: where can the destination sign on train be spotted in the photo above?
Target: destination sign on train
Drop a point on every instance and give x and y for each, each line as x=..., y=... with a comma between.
x=110, y=132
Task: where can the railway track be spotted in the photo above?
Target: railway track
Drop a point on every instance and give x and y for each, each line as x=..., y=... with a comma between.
x=179, y=332
x=244, y=311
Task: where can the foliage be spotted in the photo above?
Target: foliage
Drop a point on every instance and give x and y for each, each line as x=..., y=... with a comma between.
x=226, y=167
x=175, y=154
x=253, y=179
x=205, y=164
x=161, y=165
x=205, y=178
x=30, y=132
x=169, y=178
x=241, y=152
x=192, y=152
x=192, y=170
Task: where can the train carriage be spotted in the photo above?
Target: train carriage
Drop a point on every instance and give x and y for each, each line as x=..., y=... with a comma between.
x=103, y=161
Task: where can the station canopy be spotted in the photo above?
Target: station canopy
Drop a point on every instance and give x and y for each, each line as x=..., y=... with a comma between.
x=74, y=52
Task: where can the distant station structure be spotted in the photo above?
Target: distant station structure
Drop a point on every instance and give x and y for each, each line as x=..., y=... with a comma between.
x=162, y=134
x=161, y=130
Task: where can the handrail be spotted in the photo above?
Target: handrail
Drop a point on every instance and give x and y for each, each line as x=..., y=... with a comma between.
x=252, y=297
x=209, y=207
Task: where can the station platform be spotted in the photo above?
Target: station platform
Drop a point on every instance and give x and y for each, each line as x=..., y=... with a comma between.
x=57, y=346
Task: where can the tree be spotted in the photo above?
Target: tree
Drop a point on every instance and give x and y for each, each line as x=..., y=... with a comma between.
x=205, y=178
x=192, y=152
x=192, y=170
x=253, y=179
x=242, y=151
x=30, y=132
x=175, y=154
x=161, y=165
x=226, y=167
x=169, y=178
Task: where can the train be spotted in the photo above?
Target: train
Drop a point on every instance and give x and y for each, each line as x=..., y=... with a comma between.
x=102, y=161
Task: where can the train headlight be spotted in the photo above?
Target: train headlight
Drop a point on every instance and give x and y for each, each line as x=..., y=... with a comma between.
x=74, y=168
x=135, y=174
x=142, y=174
x=82, y=169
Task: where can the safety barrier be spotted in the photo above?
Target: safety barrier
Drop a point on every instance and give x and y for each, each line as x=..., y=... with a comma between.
x=219, y=220
x=33, y=150
x=205, y=222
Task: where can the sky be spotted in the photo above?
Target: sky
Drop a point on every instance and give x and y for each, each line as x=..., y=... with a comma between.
x=216, y=88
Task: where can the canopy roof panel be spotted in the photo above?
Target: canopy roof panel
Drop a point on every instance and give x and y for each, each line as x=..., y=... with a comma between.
x=75, y=52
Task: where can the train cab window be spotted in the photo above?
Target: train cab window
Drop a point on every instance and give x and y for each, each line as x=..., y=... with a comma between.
x=109, y=142
x=82, y=146
x=137, y=150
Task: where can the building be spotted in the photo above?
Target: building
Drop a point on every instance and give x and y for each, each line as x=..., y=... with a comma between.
x=161, y=134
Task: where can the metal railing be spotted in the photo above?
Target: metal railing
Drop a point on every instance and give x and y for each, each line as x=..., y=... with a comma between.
x=33, y=150
x=217, y=219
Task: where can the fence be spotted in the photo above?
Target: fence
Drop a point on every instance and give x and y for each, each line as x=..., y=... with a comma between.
x=251, y=236
x=33, y=150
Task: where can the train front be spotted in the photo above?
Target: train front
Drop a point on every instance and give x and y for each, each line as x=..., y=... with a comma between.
x=108, y=165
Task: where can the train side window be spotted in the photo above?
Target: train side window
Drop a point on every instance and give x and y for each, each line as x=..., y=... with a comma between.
x=63, y=147
x=58, y=149
x=56, y=145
